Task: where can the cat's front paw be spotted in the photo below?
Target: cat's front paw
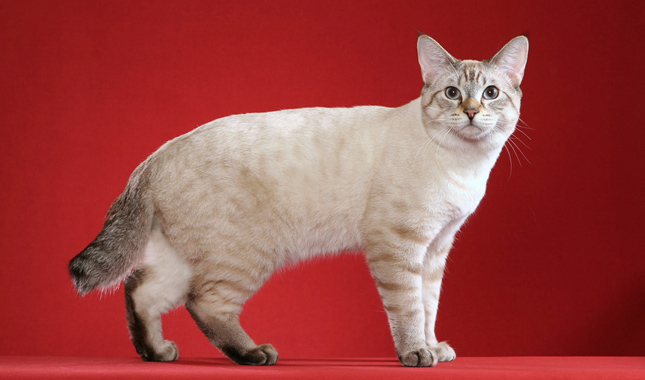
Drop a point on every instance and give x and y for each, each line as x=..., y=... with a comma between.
x=428, y=356
x=442, y=351
x=421, y=357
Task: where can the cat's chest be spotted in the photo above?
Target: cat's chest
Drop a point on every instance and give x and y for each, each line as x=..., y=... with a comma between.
x=425, y=202
x=455, y=186
x=457, y=198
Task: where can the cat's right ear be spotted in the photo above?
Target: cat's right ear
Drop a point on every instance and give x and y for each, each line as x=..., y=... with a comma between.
x=433, y=59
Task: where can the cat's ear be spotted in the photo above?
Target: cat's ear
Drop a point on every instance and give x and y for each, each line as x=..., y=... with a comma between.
x=433, y=59
x=512, y=59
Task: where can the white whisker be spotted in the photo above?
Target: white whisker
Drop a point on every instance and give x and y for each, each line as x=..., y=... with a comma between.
x=524, y=125
x=436, y=156
x=516, y=138
x=510, y=161
x=433, y=107
x=422, y=147
x=512, y=146
x=521, y=152
x=524, y=133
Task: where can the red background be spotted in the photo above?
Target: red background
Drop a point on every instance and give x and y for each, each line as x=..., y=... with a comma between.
x=551, y=264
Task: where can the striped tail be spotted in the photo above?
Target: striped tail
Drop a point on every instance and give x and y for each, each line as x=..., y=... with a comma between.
x=121, y=242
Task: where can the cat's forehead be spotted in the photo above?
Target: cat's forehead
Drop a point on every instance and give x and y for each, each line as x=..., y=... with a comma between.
x=473, y=73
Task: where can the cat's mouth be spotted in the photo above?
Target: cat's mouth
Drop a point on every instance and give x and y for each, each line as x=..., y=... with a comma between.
x=472, y=132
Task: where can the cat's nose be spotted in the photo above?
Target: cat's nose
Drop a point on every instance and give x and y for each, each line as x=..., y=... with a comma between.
x=471, y=112
x=471, y=107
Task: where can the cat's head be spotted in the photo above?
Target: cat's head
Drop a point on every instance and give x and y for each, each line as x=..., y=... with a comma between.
x=471, y=101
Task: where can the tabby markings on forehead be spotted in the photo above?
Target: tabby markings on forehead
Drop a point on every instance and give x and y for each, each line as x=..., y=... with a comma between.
x=472, y=75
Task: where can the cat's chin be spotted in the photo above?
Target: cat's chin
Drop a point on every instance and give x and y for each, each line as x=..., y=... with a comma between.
x=472, y=132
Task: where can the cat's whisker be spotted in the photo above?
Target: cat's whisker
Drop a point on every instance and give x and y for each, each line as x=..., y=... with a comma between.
x=513, y=147
x=512, y=141
x=524, y=133
x=516, y=138
x=434, y=107
x=510, y=161
x=434, y=137
x=436, y=156
x=524, y=125
x=422, y=147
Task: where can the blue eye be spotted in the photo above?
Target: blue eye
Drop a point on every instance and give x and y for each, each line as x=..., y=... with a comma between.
x=452, y=93
x=491, y=92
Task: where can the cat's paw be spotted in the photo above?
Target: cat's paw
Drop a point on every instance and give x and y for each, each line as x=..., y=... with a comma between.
x=167, y=353
x=428, y=356
x=421, y=357
x=442, y=351
x=264, y=354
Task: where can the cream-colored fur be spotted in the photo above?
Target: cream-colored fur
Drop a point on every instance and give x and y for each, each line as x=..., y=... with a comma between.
x=242, y=196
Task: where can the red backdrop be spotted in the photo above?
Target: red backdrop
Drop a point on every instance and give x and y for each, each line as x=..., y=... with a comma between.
x=551, y=264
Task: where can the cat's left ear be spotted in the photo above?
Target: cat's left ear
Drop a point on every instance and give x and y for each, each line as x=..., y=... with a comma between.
x=512, y=59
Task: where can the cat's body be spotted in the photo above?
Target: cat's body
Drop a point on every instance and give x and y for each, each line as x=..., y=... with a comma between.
x=212, y=214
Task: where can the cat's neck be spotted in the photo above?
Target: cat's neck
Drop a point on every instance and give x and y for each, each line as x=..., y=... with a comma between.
x=457, y=158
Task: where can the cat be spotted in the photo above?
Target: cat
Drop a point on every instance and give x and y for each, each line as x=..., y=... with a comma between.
x=207, y=218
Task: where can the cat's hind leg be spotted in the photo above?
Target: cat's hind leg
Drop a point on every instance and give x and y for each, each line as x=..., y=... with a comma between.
x=158, y=285
x=215, y=303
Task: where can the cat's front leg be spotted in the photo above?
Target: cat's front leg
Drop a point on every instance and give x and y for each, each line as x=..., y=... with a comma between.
x=433, y=268
x=396, y=267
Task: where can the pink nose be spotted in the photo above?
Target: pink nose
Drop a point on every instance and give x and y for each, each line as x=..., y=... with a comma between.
x=471, y=112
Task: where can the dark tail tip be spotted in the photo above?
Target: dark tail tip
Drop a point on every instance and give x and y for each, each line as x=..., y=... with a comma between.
x=81, y=275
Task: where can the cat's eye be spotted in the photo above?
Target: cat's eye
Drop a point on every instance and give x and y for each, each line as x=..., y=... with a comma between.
x=491, y=92
x=452, y=93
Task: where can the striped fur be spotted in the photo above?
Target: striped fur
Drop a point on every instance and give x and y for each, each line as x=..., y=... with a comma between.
x=212, y=214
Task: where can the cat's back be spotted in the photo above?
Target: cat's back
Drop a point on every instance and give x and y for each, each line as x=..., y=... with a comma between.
x=318, y=127
x=281, y=140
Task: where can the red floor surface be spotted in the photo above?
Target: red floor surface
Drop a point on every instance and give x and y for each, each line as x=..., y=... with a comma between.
x=22, y=367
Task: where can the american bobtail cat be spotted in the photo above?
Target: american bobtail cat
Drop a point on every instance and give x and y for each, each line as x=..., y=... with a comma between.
x=207, y=218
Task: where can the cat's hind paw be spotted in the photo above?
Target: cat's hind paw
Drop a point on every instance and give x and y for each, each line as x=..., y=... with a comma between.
x=264, y=354
x=167, y=353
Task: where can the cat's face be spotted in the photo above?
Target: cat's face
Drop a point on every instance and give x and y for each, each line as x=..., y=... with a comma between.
x=471, y=101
